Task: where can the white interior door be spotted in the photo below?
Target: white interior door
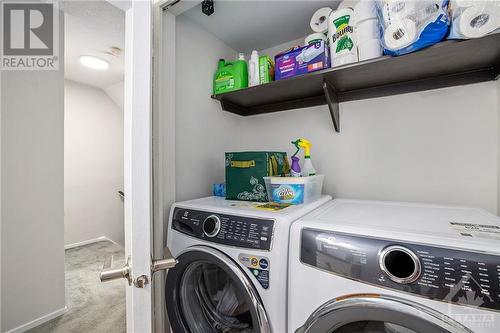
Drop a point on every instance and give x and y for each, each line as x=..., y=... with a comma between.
x=138, y=173
x=138, y=192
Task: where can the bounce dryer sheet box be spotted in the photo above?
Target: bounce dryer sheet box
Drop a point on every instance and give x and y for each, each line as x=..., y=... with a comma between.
x=302, y=60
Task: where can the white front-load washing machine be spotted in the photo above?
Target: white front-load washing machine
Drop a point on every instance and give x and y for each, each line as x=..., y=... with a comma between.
x=232, y=266
x=363, y=266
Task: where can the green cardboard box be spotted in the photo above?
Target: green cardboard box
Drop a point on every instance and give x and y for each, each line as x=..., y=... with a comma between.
x=245, y=172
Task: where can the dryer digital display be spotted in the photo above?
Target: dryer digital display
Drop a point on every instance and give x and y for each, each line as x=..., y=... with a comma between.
x=244, y=232
x=455, y=276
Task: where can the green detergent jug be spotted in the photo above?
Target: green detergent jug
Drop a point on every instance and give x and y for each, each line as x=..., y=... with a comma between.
x=231, y=76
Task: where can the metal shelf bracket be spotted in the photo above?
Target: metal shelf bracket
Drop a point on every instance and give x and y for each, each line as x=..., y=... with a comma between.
x=333, y=104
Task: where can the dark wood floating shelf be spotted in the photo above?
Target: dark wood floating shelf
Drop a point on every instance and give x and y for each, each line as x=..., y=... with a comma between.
x=449, y=63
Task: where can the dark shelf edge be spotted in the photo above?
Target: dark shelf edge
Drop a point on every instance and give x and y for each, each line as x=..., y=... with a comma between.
x=288, y=105
x=423, y=84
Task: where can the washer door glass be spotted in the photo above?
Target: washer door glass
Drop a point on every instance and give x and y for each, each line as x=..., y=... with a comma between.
x=207, y=292
x=211, y=300
x=373, y=313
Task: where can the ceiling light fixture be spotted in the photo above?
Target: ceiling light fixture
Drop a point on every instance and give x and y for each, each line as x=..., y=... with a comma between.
x=94, y=62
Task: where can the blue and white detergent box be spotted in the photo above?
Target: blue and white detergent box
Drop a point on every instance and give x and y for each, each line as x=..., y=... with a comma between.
x=288, y=193
x=294, y=190
x=302, y=60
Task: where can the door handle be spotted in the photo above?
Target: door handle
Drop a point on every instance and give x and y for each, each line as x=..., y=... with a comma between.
x=109, y=274
x=167, y=262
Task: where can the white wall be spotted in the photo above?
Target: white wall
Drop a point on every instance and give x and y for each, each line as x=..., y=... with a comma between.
x=402, y=147
x=436, y=146
x=32, y=243
x=116, y=93
x=93, y=165
x=203, y=131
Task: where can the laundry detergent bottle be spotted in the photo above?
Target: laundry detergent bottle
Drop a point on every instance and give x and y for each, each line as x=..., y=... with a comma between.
x=231, y=76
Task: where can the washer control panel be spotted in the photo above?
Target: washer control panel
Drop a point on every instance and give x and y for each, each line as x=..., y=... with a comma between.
x=455, y=276
x=240, y=231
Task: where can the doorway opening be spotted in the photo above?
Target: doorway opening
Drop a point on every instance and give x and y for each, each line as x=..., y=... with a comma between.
x=94, y=41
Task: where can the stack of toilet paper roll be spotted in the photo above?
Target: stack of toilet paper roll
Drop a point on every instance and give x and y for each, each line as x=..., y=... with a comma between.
x=319, y=20
x=367, y=30
x=319, y=24
x=400, y=26
x=474, y=18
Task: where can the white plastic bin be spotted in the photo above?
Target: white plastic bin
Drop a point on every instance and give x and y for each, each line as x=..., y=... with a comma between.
x=294, y=190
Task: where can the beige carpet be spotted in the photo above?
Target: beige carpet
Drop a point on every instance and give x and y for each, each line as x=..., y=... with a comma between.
x=92, y=306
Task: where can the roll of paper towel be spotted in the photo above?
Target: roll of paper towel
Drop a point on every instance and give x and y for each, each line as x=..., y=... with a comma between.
x=477, y=20
x=342, y=38
x=369, y=49
x=368, y=29
x=319, y=20
x=365, y=10
x=400, y=34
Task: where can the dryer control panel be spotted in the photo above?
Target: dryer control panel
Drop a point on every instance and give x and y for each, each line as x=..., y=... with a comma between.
x=449, y=275
x=239, y=231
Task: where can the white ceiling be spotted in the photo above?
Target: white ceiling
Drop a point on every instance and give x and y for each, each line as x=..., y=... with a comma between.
x=247, y=25
x=92, y=28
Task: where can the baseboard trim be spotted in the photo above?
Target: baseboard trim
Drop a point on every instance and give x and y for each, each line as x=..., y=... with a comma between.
x=90, y=241
x=39, y=321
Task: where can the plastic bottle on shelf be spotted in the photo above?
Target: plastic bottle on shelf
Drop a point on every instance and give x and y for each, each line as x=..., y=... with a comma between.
x=253, y=69
x=307, y=168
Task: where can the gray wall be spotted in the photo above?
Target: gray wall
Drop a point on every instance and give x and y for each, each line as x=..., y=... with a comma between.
x=93, y=165
x=203, y=133
x=438, y=146
x=32, y=244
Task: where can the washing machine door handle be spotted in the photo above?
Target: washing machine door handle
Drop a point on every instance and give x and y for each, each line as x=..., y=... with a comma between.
x=379, y=308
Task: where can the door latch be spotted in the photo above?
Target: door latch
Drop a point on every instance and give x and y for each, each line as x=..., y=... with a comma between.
x=141, y=281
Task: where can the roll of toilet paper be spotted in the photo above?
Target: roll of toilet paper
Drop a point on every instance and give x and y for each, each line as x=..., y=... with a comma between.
x=315, y=37
x=477, y=21
x=341, y=37
x=400, y=34
x=319, y=20
x=367, y=30
x=365, y=10
x=348, y=4
x=369, y=49
x=396, y=10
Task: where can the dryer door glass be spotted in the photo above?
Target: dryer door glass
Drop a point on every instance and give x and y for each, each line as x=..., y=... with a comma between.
x=374, y=313
x=373, y=327
x=207, y=292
